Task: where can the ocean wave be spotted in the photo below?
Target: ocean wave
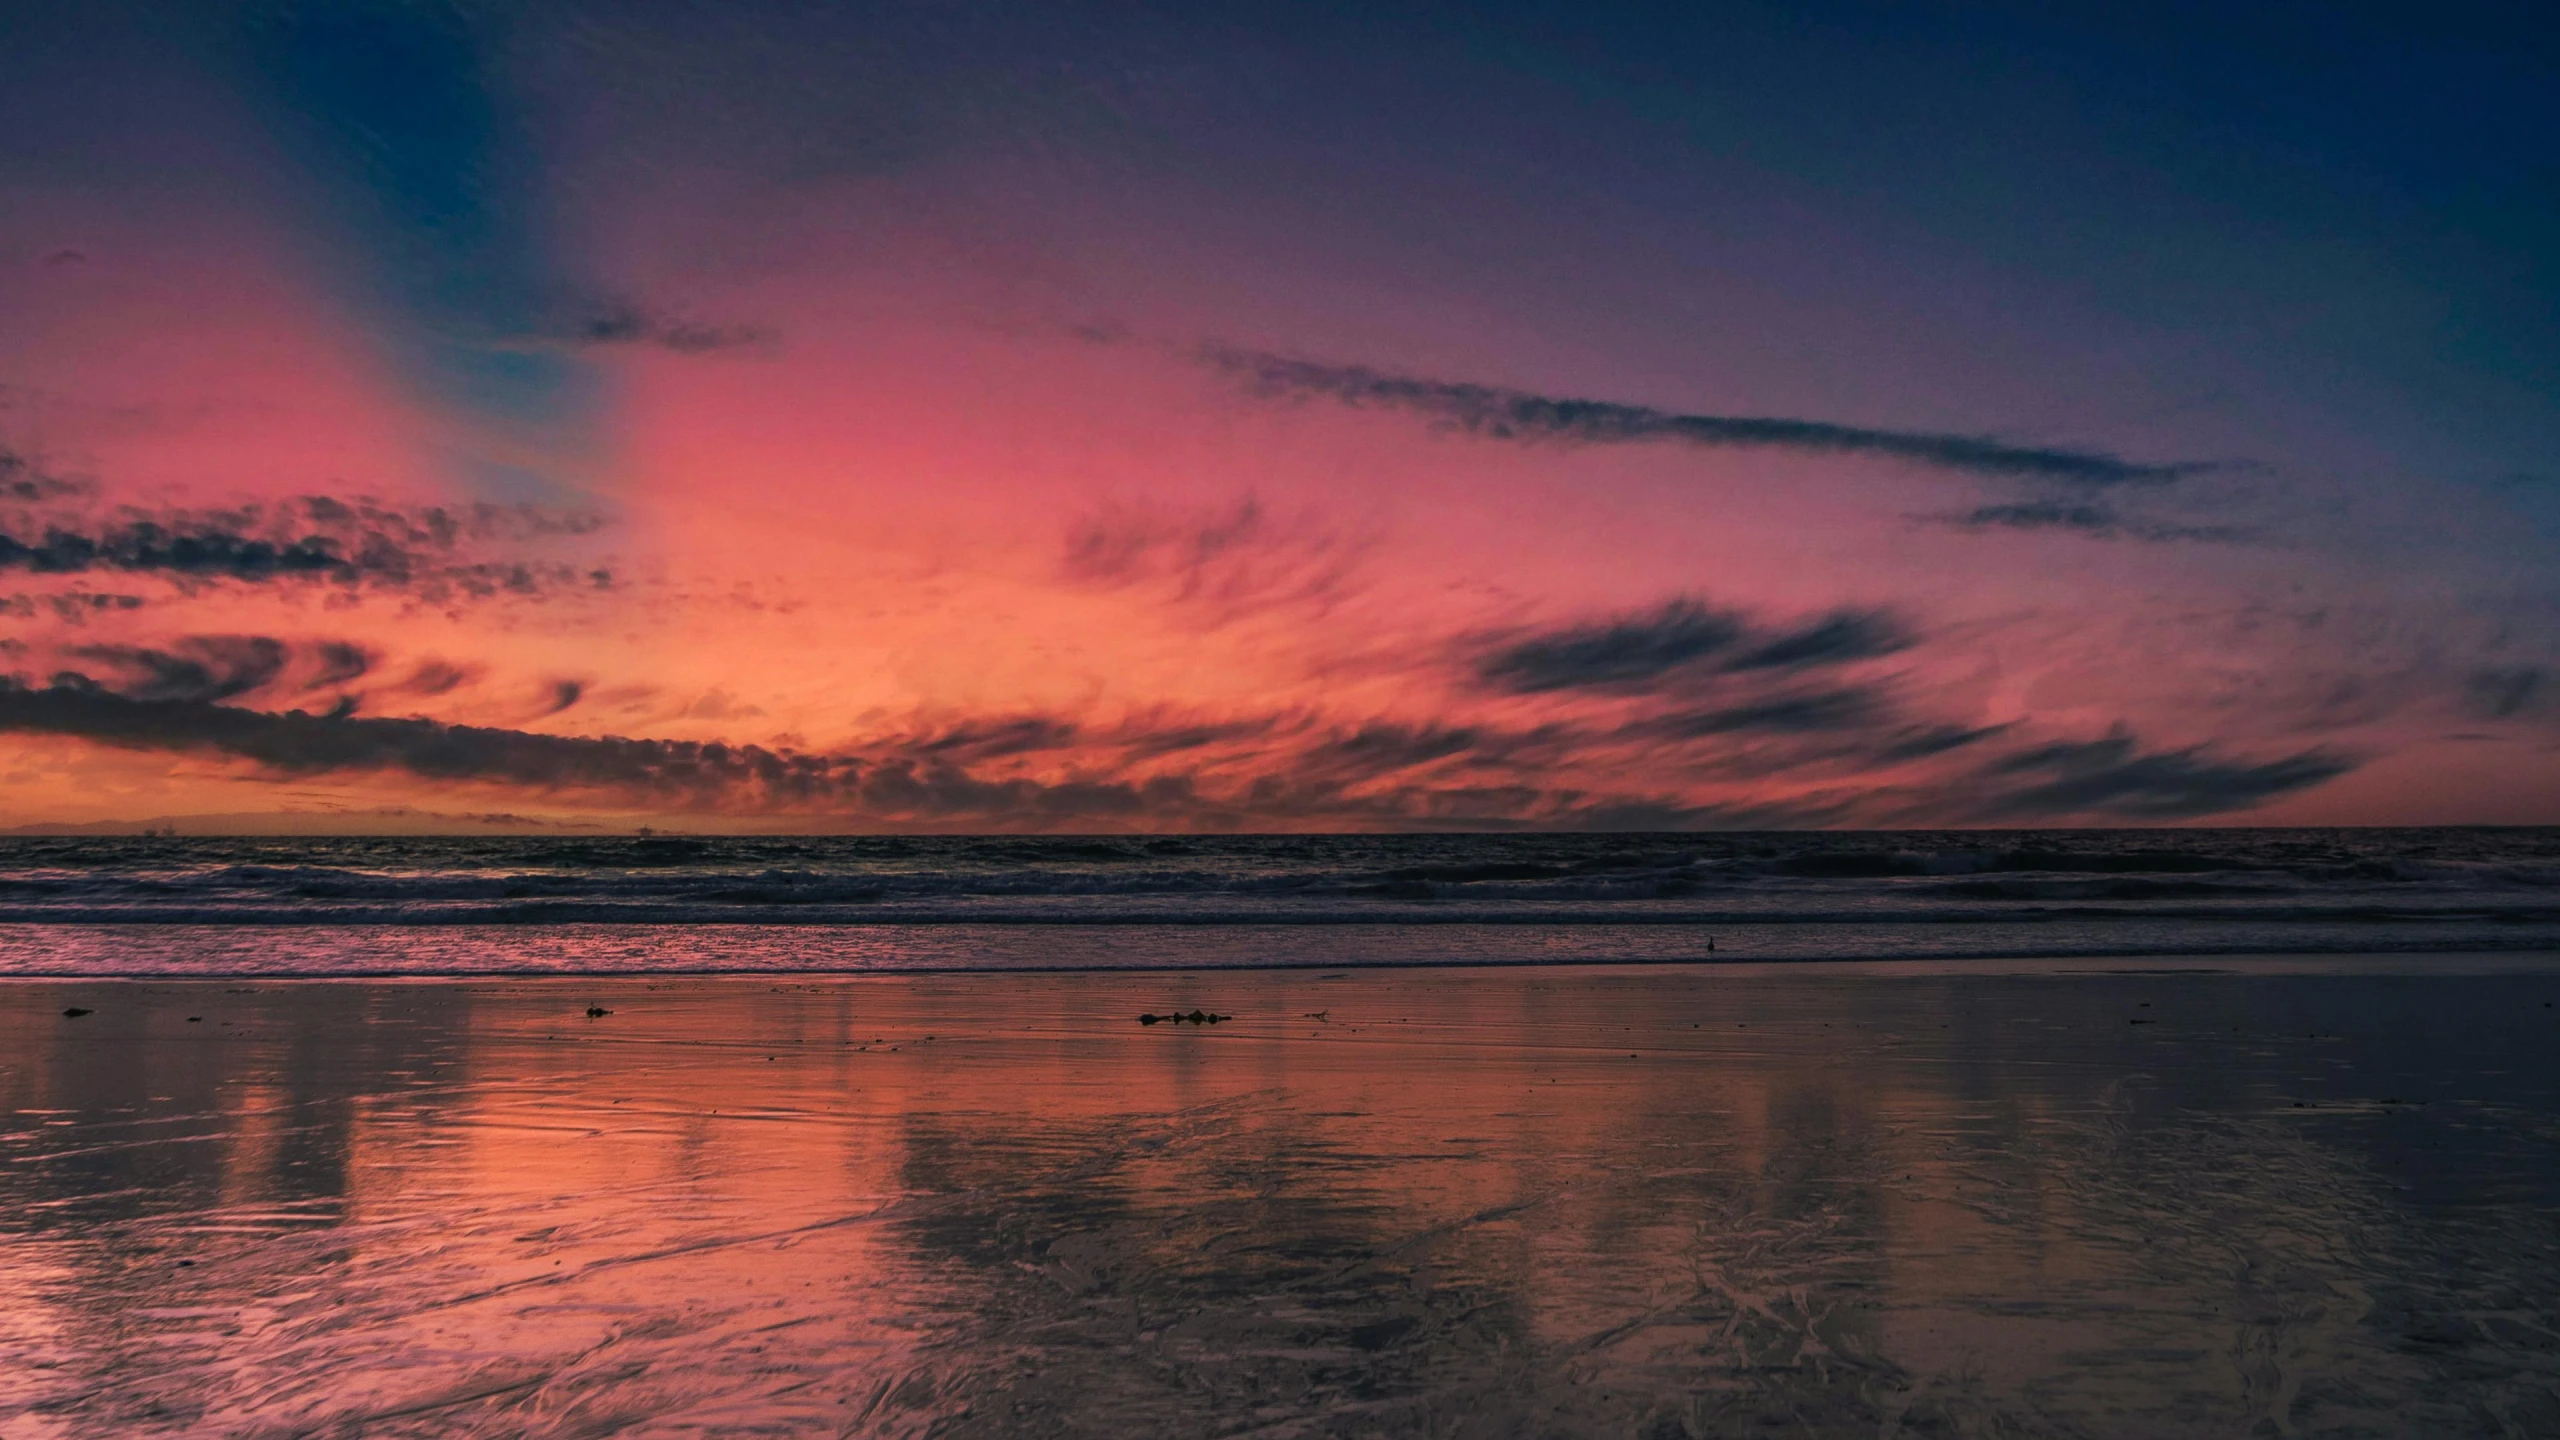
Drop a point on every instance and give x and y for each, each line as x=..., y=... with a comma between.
x=2433, y=878
x=750, y=910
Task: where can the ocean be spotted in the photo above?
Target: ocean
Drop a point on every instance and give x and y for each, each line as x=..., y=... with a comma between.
x=683, y=1136
x=166, y=905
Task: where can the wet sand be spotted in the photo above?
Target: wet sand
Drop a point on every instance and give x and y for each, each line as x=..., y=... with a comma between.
x=2114, y=1201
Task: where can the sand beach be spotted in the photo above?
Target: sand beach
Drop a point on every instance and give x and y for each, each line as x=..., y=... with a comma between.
x=2310, y=1196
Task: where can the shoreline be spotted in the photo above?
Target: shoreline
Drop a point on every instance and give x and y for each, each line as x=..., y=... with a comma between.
x=2047, y=1197
x=2416, y=964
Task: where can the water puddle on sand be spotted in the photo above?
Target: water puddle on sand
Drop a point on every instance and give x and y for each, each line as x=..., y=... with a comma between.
x=1600, y=1202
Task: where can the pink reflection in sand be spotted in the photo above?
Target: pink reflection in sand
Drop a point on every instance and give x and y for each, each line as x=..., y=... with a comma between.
x=1670, y=1202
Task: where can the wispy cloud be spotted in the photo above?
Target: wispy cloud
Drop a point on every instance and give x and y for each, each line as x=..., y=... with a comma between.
x=2115, y=778
x=432, y=677
x=69, y=607
x=1681, y=638
x=23, y=482
x=1836, y=639
x=1168, y=732
x=995, y=737
x=297, y=743
x=1497, y=413
x=1381, y=773
x=1221, y=564
x=2097, y=522
x=1631, y=651
x=1810, y=713
x=1922, y=742
x=340, y=662
x=695, y=774
x=219, y=667
x=2507, y=692
x=436, y=552
x=201, y=667
x=1385, y=747
x=626, y=323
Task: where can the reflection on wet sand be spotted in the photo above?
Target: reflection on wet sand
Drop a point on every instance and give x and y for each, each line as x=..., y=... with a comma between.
x=1648, y=1203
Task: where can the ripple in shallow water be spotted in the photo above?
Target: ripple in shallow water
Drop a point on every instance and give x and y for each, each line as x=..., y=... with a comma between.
x=1455, y=1202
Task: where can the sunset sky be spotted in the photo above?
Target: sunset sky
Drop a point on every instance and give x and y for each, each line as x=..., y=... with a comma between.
x=967, y=416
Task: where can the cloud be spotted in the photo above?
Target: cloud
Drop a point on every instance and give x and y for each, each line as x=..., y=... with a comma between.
x=435, y=553
x=898, y=783
x=1812, y=713
x=181, y=716
x=1162, y=733
x=915, y=790
x=1222, y=563
x=199, y=668
x=1503, y=414
x=207, y=553
x=213, y=668
x=1119, y=544
x=1439, y=803
x=1835, y=639
x=70, y=607
x=713, y=775
x=2115, y=778
x=1383, y=747
x=718, y=704
x=1921, y=742
x=339, y=662
x=628, y=324
x=1000, y=736
x=1380, y=774
x=22, y=483
x=2097, y=522
x=2503, y=694
x=1681, y=638
x=1632, y=651
x=435, y=677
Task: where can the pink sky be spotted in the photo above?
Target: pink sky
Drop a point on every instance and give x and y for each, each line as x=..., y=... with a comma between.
x=934, y=476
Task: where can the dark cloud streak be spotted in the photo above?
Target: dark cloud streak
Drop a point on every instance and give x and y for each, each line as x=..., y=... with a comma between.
x=2115, y=778
x=1836, y=639
x=995, y=738
x=2097, y=522
x=22, y=483
x=199, y=668
x=1632, y=651
x=316, y=539
x=2504, y=694
x=1220, y=564
x=340, y=662
x=1498, y=413
x=1382, y=773
x=1813, y=713
x=296, y=743
x=75, y=607
x=1681, y=639
x=625, y=324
